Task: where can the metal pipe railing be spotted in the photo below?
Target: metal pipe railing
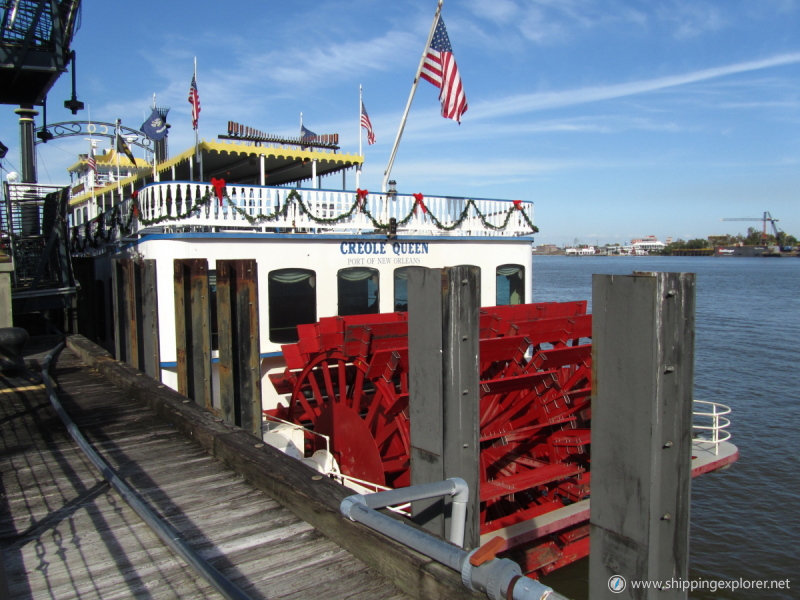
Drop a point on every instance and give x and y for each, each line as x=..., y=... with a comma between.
x=500, y=578
x=165, y=532
x=719, y=423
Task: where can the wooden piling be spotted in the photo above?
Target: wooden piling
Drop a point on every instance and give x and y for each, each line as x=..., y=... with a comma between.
x=148, y=316
x=91, y=317
x=192, y=331
x=119, y=310
x=443, y=343
x=136, y=314
x=130, y=285
x=239, y=346
x=643, y=347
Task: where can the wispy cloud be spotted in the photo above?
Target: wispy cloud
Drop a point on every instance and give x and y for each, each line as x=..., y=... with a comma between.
x=691, y=19
x=554, y=22
x=323, y=64
x=524, y=103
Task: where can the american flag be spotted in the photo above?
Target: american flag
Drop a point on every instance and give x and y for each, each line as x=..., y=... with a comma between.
x=92, y=163
x=367, y=124
x=194, y=100
x=441, y=70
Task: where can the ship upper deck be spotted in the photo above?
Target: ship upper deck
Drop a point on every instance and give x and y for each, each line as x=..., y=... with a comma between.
x=234, y=196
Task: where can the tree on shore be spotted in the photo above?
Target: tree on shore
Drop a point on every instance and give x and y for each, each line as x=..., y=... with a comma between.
x=754, y=237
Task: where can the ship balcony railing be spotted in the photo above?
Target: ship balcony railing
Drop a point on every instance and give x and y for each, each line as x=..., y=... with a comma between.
x=710, y=424
x=195, y=205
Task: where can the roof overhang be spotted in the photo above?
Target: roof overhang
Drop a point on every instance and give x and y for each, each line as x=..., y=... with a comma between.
x=242, y=163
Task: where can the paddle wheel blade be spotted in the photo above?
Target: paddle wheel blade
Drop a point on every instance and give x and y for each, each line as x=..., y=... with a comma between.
x=347, y=378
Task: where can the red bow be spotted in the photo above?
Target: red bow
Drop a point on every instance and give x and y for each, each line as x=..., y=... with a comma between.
x=219, y=188
x=135, y=194
x=418, y=198
x=361, y=195
x=517, y=204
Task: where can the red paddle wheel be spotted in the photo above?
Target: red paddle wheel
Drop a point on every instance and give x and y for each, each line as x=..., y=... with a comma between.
x=347, y=378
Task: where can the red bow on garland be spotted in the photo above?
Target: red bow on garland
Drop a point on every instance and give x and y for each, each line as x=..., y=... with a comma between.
x=135, y=209
x=219, y=188
x=418, y=202
x=517, y=204
x=361, y=196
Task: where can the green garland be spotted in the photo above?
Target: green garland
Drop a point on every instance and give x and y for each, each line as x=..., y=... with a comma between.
x=292, y=199
x=295, y=198
x=106, y=224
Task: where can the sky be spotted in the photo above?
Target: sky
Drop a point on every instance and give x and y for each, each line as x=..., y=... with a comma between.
x=617, y=118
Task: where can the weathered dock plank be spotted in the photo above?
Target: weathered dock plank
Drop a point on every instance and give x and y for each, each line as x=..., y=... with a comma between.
x=296, y=487
x=65, y=534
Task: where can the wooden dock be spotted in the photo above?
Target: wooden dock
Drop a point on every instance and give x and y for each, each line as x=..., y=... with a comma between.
x=64, y=533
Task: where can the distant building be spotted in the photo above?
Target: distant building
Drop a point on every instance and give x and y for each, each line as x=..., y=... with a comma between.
x=546, y=249
x=645, y=245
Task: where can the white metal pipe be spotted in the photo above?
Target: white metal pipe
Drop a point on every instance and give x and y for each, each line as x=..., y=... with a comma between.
x=526, y=588
x=435, y=548
x=499, y=578
x=455, y=487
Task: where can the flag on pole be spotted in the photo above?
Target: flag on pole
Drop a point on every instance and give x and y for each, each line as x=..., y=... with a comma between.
x=194, y=100
x=306, y=134
x=441, y=70
x=122, y=146
x=155, y=127
x=367, y=124
x=91, y=162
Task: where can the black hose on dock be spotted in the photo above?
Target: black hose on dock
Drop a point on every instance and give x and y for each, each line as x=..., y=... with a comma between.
x=164, y=531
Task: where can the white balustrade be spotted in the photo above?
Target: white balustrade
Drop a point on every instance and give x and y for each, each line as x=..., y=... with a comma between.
x=183, y=204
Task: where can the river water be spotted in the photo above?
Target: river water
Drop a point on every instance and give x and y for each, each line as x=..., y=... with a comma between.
x=745, y=521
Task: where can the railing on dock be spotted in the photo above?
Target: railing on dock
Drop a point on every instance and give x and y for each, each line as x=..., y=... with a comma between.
x=709, y=424
x=195, y=206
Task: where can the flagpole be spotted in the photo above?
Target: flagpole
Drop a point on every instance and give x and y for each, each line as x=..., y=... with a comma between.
x=116, y=153
x=91, y=141
x=388, y=171
x=196, y=139
x=155, y=154
x=360, y=110
x=93, y=169
x=360, y=151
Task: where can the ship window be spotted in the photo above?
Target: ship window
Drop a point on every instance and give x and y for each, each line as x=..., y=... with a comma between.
x=401, y=289
x=292, y=302
x=358, y=291
x=510, y=282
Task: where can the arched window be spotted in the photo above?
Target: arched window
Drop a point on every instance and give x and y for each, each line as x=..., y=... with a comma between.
x=357, y=291
x=292, y=302
x=510, y=285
